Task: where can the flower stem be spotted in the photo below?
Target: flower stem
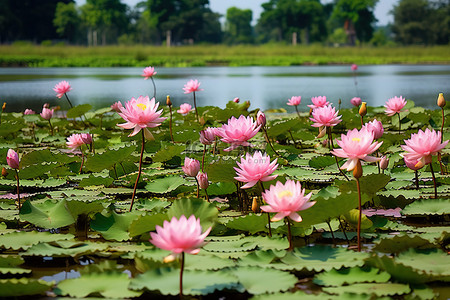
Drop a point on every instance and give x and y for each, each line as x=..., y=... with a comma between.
x=330, y=137
x=399, y=123
x=139, y=172
x=442, y=125
x=261, y=186
x=203, y=157
x=170, y=122
x=291, y=246
x=181, y=275
x=51, y=127
x=18, y=189
x=292, y=137
x=434, y=180
x=298, y=114
x=417, y=179
x=195, y=106
x=154, y=88
x=198, y=187
x=207, y=196
x=82, y=160
x=343, y=230
x=332, y=233
x=266, y=136
x=360, y=214
x=67, y=97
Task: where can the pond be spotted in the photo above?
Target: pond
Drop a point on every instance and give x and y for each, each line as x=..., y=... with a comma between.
x=265, y=87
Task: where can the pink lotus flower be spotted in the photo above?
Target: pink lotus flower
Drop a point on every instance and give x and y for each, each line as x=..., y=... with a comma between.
x=191, y=166
x=180, y=235
x=148, y=73
x=376, y=127
x=384, y=162
x=12, y=158
x=356, y=145
x=412, y=164
x=354, y=67
x=192, y=86
x=318, y=101
x=254, y=168
x=325, y=116
x=117, y=106
x=236, y=100
x=74, y=141
x=202, y=179
x=208, y=136
x=47, y=113
x=237, y=132
x=29, y=112
x=422, y=145
x=185, y=108
x=261, y=119
x=394, y=105
x=61, y=88
x=286, y=200
x=140, y=114
x=356, y=101
x=294, y=101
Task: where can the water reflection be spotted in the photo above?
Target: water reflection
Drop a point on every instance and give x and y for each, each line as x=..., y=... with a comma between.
x=265, y=87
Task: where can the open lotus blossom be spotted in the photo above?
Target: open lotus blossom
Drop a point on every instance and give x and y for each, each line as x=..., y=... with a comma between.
x=47, y=113
x=318, y=101
x=356, y=101
x=254, y=168
x=422, y=145
x=148, y=72
x=180, y=235
x=325, y=116
x=191, y=166
x=117, y=106
x=61, y=88
x=74, y=141
x=192, y=86
x=29, y=112
x=12, y=158
x=394, y=105
x=140, y=114
x=237, y=132
x=376, y=127
x=294, y=101
x=286, y=200
x=354, y=67
x=356, y=145
x=185, y=108
x=208, y=136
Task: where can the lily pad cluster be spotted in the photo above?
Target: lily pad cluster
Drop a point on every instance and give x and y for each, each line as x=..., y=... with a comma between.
x=74, y=235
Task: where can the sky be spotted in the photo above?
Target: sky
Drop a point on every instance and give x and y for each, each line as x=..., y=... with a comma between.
x=220, y=6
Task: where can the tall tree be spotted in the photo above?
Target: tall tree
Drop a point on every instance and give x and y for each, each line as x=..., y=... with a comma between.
x=238, y=28
x=67, y=21
x=357, y=17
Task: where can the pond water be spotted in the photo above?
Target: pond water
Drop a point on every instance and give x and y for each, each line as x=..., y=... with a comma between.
x=265, y=87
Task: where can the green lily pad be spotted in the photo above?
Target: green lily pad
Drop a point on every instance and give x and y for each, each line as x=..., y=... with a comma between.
x=65, y=249
x=203, y=210
x=222, y=171
x=349, y=276
x=252, y=223
x=229, y=244
x=115, y=226
x=109, y=284
x=109, y=158
x=47, y=215
x=378, y=289
x=399, y=243
x=433, y=262
x=167, y=153
x=147, y=223
x=428, y=207
x=79, y=110
x=165, y=184
x=23, y=287
x=26, y=239
x=9, y=264
x=258, y=280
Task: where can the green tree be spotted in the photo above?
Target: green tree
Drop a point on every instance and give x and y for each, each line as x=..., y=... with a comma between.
x=238, y=28
x=67, y=21
x=357, y=17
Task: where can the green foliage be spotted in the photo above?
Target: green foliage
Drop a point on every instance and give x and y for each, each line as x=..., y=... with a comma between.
x=47, y=215
x=109, y=158
x=22, y=287
x=79, y=110
x=349, y=276
x=254, y=279
x=206, y=212
x=115, y=226
x=165, y=184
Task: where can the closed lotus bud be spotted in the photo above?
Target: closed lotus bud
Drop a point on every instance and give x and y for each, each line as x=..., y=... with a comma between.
x=255, y=205
x=325, y=142
x=322, y=131
x=202, y=180
x=12, y=158
x=261, y=119
x=357, y=171
x=86, y=138
x=191, y=166
x=168, y=102
x=236, y=100
x=363, y=109
x=4, y=172
x=3, y=106
x=339, y=101
x=441, y=101
x=384, y=162
x=207, y=136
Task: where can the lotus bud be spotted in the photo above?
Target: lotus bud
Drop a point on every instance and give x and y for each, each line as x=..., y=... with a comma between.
x=12, y=158
x=4, y=172
x=3, y=106
x=255, y=205
x=322, y=131
x=325, y=142
x=168, y=102
x=441, y=101
x=357, y=171
x=236, y=100
x=339, y=101
x=191, y=167
x=384, y=162
x=261, y=119
x=202, y=180
x=363, y=109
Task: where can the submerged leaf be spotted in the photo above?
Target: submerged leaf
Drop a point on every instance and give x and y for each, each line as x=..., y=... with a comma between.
x=349, y=276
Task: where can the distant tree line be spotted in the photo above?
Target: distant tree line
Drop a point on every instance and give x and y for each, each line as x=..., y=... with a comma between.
x=103, y=22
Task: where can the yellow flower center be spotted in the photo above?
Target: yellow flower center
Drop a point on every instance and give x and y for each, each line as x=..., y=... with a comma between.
x=141, y=106
x=356, y=140
x=285, y=194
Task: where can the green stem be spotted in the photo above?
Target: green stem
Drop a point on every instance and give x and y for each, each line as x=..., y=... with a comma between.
x=360, y=214
x=291, y=246
x=195, y=106
x=298, y=114
x=399, y=123
x=266, y=136
x=261, y=186
x=67, y=97
x=198, y=187
x=140, y=170
x=51, y=127
x=343, y=230
x=203, y=157
x=181, y=275
x=18, y=189
x=417, y=179
x=332, y=233
x=154, y=88
x=434, y=180
x=170, y=122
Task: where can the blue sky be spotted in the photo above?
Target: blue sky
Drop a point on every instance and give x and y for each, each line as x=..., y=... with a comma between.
x=381, y=10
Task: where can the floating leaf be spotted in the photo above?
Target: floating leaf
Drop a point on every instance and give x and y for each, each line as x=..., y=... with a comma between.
x=26, y=239
x=434, y=262
x=252, y=223
x=352, y=218
x=65, y=249
x=399, y=243
x=109, y=158
x=258, y=280
x=370, y=184
x=229, y=244
x=321, y=161
x=115, y=226
x=222, y=171
x=378, y=289
x=79, y=110
x=95, y=180
x=349, y=276
x=23, y=287
x=428, y=207
x=147, y=223
x=207, y=261
x=165, y=280
x=9, y=264
x=205, y=211
x=167, y=153
x=47, y=215
x=165, y=184
x=109, y=284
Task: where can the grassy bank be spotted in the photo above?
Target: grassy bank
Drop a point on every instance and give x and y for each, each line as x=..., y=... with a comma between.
x=210, y=55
